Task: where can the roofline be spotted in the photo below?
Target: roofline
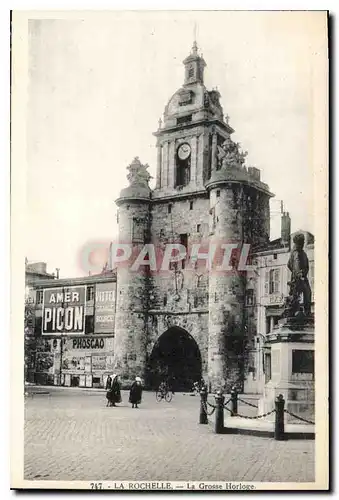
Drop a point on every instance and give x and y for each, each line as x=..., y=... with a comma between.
x=205, y=121
x=74, y=281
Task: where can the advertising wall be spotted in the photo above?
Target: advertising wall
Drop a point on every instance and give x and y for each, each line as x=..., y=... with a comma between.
x=87, y=355
x=64, y=310
x=104, y=307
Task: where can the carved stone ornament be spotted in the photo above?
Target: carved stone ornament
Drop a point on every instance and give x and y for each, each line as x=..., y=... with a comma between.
x=229, y=154
x=215, y=96
x=138, y=174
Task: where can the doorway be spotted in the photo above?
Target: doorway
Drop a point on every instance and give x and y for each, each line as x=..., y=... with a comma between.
x=175, y=357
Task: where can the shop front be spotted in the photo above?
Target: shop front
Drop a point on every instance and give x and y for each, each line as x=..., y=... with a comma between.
x=86, y=362
x=74, y=346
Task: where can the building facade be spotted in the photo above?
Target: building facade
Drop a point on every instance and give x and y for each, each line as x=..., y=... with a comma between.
x=71, y=341
x=269, y=291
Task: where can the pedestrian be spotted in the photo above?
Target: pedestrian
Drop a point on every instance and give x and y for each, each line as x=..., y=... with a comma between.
x=108, y=383
x=135, y=392
x=114, y=394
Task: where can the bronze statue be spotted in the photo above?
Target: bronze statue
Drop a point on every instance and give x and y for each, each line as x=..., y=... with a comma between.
x=299, y=284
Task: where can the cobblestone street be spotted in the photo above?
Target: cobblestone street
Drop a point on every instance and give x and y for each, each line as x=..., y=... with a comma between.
x=71, y=435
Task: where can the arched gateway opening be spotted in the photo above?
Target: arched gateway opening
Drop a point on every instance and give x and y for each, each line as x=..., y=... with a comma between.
x=175, y=356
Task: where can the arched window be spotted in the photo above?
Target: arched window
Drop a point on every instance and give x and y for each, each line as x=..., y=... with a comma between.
x=183, y=165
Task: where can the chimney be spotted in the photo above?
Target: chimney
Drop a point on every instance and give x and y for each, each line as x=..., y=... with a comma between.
x=286, y=229
x=39, y=267
x=57, y=272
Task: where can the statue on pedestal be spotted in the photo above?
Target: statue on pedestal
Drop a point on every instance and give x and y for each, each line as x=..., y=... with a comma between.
x=299, y=284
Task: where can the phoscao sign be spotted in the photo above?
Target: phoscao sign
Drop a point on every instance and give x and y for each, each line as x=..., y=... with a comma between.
x=91, y=343
x=104, y=307
x=64, y=310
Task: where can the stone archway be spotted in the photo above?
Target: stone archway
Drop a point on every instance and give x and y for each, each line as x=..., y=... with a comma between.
x=175, y=356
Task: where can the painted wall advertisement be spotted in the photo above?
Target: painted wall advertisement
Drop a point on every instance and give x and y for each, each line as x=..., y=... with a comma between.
x=76, y=359
x=105, y=307
x=64, y=310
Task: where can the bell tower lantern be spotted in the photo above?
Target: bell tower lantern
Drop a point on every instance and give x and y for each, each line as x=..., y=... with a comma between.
x=194, y=67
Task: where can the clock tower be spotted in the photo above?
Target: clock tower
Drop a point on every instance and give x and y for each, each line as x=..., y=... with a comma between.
x=185, y=137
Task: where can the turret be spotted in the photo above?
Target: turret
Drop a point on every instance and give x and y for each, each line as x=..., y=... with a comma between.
x=132, y=290
x=239, y=214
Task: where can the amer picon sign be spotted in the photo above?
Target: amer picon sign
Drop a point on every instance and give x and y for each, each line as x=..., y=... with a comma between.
x=64, y=310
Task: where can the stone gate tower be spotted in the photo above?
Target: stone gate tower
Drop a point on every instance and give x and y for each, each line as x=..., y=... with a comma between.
x=204, y=195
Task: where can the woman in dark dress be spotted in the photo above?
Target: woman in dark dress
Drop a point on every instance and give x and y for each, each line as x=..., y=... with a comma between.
x=108, y=383
x=135, y=392
x=113, y=394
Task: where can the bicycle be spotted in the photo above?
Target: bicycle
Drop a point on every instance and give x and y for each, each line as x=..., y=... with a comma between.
x=163, y=393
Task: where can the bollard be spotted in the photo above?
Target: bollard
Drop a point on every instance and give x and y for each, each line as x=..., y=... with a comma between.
x=219, y=412
x=234, y=402
x=279, y=431
x=203, y=406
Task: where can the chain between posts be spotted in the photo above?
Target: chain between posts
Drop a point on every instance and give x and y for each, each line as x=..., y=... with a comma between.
x=258, y=416
x=299, y=418
x=247, y=403
x=225, y=404
x=206, y=410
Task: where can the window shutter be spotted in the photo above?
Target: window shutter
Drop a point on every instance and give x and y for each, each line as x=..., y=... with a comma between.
x=267, y=279
x=311, y=275
x=277, y=281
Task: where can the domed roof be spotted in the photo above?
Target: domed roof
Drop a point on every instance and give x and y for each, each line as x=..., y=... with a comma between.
x=193, y=102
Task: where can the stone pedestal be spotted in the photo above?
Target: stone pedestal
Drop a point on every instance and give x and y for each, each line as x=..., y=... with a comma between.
x=292, y=369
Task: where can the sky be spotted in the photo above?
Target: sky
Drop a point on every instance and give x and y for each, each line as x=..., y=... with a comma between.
x=99, y=82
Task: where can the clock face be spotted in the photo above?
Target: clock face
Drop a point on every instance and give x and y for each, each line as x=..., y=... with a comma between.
x=184, y=151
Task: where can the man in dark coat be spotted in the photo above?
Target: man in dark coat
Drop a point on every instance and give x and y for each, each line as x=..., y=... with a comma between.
x=135, y=392
x=113, y=394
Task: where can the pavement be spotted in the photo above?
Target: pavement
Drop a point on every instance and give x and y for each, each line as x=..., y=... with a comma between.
x=71, y=435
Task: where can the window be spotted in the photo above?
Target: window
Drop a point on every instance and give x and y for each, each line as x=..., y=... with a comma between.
x=272, y=282
x=183, y=173
x=39, y=297
x=139, y=231
x=191, y=205
x=184, y=119
x=198, y=228
x=165, y=300
x=218, y=193
x=302, y=361
x=169, y=209
x=191, y=73
x=250, y=297
x=275, y=256
x=90, y=293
